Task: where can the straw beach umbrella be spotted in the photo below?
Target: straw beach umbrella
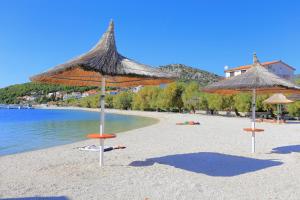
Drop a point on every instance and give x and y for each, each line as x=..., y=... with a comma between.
x=256, y=80
x=103, y=65
x=278, y=99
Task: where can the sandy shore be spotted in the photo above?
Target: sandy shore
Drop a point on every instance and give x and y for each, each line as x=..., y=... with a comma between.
x=165, y=161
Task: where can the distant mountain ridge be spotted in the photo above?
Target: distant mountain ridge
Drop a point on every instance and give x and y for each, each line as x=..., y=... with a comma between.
x=187, y=73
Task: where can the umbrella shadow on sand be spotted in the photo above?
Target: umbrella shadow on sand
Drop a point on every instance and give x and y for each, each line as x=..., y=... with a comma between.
x=286, y=149
x=211, y=163
x=291, y=122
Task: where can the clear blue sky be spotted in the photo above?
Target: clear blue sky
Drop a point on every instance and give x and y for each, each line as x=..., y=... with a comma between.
x=208, y=34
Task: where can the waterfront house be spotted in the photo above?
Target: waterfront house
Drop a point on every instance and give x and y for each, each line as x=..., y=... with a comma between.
x=277, y=67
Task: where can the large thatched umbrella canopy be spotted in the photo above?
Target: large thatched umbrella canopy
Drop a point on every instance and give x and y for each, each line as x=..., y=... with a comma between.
x=258, y=80
x=104, y=60
x=103, y=64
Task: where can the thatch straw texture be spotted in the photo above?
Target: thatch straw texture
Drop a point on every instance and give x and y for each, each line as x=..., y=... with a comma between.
x=257, y=77
x=294, y=97
x=104, y=60
x=277, y=98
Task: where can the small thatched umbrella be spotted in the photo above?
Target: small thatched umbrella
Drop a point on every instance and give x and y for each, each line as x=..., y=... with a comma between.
x=278, y=99
x=104, y=65
x=258, y=80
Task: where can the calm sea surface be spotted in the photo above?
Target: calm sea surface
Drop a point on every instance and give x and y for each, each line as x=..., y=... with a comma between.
x=26, y=130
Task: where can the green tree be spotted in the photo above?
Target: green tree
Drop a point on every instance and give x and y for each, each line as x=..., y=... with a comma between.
x=260, y=105
x=87, y=102
x=215, y=102
x=154, y=93
x=228, y=102
x=123, y=100
x=294, y=109
x=147, y=98
x=203, y=101
x=172, y=95
x=190, y=96
x=109, y=100
x=141, y=100
x=242, y=102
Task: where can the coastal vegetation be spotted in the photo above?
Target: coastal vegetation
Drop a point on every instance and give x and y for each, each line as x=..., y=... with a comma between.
x=294, y=109
x=179, y=97
x=12, y=94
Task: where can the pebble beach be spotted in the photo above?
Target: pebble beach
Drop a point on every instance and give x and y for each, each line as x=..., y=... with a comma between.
x=212, y=160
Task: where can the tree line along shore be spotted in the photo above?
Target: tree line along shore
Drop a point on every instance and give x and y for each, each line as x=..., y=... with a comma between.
x=182, y=97
x=175, y=97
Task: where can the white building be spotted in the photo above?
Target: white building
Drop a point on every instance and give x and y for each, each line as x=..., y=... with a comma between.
x=137, y=89
x=76, y=95
x=277, y=67
x=59, y=95
x=28, y=98
x=73, y=95
x=51, y=94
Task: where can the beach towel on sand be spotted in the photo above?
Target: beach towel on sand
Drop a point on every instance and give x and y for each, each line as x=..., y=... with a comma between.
x=188, y=123
x=94, y=148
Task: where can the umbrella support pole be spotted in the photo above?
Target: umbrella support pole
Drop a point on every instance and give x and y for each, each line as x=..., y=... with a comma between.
x=278, y=113
x=253, y=142
x=253, y=119
x=102, y=115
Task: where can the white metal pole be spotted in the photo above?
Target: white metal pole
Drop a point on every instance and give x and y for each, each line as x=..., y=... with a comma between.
x=278, y=113
x=102, y=115
x=253, y=119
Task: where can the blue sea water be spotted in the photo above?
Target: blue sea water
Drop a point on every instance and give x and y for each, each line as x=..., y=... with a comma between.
x=26, y=130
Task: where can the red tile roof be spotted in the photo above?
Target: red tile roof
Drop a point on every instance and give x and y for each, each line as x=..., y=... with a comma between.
x=263, y=64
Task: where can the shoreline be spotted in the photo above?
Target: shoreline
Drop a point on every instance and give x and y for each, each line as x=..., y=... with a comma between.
x=110, y=111
x=107, y=110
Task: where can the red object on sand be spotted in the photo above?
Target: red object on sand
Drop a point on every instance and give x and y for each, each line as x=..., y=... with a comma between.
x=253, y=130
x=103, y=136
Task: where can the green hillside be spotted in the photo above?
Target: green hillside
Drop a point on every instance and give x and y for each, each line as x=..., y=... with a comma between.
x=10, y=94
x=187, y=73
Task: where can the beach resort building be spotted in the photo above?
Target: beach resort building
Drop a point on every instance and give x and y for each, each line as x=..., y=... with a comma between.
x=277, y=67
